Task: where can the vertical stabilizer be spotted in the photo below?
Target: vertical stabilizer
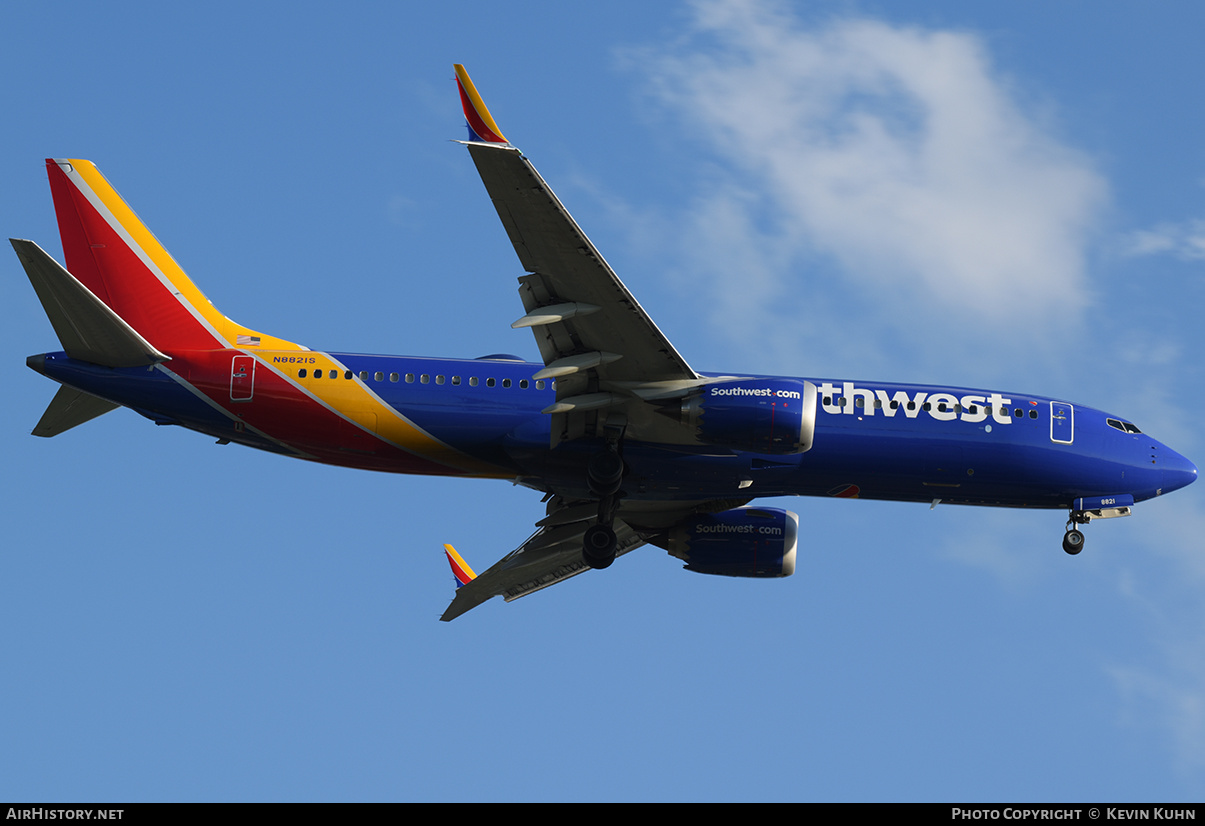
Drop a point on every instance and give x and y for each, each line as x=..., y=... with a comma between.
x=116, y=257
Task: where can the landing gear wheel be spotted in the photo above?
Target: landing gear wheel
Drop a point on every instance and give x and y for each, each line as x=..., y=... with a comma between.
x=605, y=473
x=598, y=546
x=1073, y=541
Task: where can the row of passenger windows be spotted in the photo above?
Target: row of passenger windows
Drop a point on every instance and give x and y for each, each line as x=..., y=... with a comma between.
x=942, y=407
x=422, y=378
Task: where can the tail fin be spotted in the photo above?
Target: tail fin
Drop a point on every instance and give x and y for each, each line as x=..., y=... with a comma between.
x=112, y=253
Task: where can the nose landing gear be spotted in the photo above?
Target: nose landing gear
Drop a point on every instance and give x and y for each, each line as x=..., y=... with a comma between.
x=1086, y=509
x=1073, y=541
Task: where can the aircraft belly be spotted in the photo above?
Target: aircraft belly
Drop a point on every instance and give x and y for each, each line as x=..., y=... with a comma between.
x=964, y=468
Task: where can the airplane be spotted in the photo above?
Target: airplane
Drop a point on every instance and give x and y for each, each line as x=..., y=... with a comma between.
x=627, y=442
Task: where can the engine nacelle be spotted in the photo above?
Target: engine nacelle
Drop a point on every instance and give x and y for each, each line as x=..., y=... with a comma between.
x=761, y=415
x=746, y=542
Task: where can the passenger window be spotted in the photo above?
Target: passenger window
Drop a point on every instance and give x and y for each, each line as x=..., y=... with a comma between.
x=317, y=374
x=363, y=375
x=301, y=373
x=472, y=381
x=1033, y=414
x=409, y=378
x=455, y=381
x=539, y=384
x=489, y=382
x=1018, y=413
x=522, y=384
x=394, y=377
x=439, y=379
x=378, y=376
x=506, y=382
x=425, y=378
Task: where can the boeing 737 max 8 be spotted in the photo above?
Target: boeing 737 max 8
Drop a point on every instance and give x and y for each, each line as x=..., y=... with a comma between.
x=627, y=442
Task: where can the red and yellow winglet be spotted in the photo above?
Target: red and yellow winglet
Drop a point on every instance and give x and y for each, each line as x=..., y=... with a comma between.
x=482, y=128
x=460, y=569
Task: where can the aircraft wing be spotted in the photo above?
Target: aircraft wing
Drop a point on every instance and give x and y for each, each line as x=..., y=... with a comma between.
x=607, y=357
x=551, y=555
x=554, y=552
x=595, y=339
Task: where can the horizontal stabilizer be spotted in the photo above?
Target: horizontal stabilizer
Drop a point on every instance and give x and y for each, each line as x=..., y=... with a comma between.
x=68, y=408
x=86, y=327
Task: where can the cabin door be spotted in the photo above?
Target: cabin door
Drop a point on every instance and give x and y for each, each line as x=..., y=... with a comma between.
x=1062, y=423
x=242, y=378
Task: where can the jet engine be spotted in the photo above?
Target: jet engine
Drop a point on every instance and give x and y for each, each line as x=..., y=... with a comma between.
x=745, y=542
x=761, y=415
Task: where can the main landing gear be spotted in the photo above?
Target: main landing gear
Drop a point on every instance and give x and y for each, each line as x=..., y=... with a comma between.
x=605, y=474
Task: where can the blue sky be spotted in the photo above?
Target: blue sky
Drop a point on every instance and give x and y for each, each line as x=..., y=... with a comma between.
x=1005, y=196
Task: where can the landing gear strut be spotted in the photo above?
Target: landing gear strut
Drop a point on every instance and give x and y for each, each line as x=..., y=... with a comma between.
x=605, y=474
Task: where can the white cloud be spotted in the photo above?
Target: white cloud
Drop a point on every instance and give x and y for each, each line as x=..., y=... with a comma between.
x=897, y=152
x=1185, y=240
x=1165, y=689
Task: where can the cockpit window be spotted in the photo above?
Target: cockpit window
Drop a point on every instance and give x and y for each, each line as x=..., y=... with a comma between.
x=1124, y=427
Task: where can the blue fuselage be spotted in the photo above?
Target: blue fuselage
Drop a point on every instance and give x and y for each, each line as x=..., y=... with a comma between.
x=871, y=440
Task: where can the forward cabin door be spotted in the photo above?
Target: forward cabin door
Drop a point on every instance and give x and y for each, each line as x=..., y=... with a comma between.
x=1062, y=423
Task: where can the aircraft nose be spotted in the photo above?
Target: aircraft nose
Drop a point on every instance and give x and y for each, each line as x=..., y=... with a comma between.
x=1178, y=472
